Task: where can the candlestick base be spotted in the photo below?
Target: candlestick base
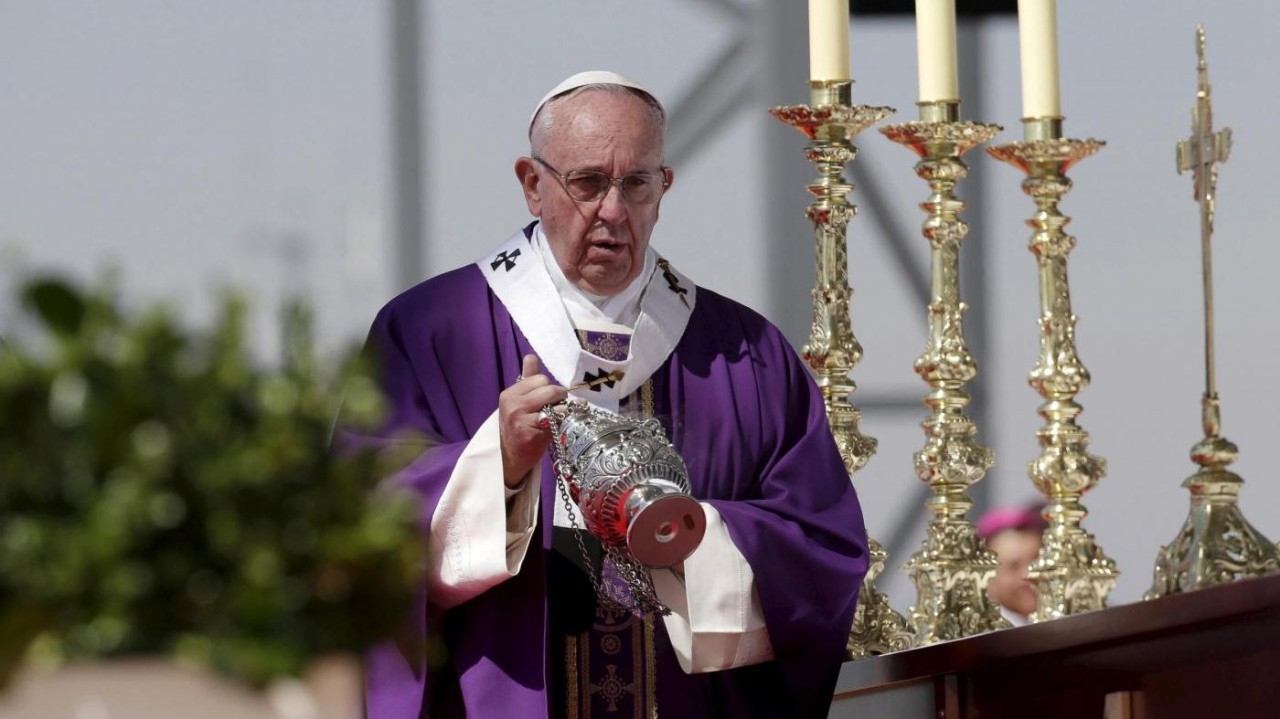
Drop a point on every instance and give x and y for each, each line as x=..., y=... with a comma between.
x=877, y=628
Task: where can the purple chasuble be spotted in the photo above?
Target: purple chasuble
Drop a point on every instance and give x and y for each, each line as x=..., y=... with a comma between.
x=744, y=413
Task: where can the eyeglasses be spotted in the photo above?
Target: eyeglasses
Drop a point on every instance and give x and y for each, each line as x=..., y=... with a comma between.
x=590, y=185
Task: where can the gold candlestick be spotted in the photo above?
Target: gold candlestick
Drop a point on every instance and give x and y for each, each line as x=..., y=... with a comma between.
x=1071, y=573
x=1216, y=544
x=830, y=122
x=953, y=567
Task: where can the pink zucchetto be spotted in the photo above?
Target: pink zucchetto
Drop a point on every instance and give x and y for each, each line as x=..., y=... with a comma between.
x=1001, y=518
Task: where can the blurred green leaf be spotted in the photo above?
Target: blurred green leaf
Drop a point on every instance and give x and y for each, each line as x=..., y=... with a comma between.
x=163, y=493
x=60, y=307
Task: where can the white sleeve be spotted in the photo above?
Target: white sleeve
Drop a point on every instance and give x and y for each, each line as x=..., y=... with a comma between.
x=480, y=530
x=716, y=621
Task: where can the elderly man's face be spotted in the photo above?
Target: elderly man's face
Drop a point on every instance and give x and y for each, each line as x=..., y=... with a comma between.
x=599, y=245
x=1015, y=550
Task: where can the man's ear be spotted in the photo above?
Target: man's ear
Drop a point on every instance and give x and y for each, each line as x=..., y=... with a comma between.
x=668, y=177
x=527, y=174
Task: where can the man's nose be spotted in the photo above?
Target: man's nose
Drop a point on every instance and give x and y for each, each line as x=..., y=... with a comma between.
x=613, y=206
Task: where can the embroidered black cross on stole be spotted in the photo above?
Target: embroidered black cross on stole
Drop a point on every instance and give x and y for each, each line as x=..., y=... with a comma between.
x=505, y=259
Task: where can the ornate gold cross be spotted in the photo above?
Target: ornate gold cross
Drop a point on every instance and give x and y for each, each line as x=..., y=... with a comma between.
x=1201, y=152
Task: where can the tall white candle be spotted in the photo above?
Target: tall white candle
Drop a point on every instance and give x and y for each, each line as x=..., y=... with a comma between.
x=828, y=39
x=936, y=50
x=1038, y=42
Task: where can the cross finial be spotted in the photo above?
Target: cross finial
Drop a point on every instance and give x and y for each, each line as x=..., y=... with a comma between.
x=1205, y=148
x=1203, y=64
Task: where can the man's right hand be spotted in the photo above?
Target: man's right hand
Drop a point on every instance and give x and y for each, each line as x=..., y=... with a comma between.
x=521, y=428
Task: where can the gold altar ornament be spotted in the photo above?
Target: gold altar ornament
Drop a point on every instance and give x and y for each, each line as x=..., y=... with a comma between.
x=1071, y=574
x=953, y=567
x=1216, y=543
x=830, y=122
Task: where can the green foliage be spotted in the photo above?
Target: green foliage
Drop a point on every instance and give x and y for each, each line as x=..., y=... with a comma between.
x=161, y=494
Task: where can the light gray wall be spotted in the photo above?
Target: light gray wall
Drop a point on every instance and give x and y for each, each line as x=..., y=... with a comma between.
x=194, y=145
x=187, y=143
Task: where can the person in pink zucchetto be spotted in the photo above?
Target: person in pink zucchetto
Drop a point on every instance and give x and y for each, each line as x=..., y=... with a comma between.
x=1013, y=533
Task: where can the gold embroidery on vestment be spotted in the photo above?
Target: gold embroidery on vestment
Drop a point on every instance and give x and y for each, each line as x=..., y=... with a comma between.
x=611, y=627
x=571, y=674
x=650, y=668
